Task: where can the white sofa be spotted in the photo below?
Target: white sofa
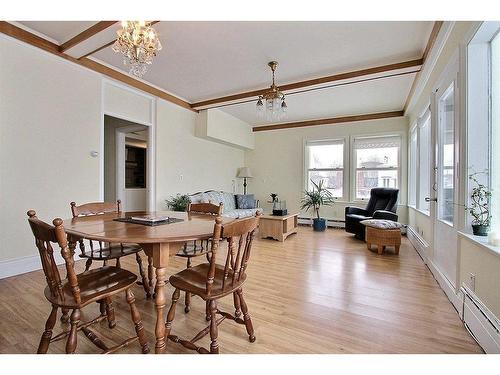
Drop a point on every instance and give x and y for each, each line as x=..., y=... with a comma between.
x=229, y=202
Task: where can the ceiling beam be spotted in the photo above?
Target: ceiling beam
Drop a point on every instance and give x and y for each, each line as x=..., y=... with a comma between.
x=314, y=82
x=428, y=47
x=36, y=41
x=107, y=44
x=84, y=35
x=329, y=121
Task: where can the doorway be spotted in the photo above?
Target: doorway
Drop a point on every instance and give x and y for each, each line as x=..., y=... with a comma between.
x=125, y=163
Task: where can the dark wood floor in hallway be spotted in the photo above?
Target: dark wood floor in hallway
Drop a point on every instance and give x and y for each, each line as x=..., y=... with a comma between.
x=314, y=293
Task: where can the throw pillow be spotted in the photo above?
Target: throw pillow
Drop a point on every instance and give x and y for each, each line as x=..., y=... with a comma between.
x=245, y=201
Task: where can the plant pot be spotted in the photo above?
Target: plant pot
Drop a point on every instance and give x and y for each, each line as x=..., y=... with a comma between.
x=319, y=225
x=480, y=230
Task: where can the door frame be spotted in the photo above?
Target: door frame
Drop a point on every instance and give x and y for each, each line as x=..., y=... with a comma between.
x=151, y=150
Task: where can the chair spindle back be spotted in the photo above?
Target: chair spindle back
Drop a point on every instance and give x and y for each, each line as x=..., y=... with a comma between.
x=206, y=208
x=239, y=236
x=45, y=235
x=95, y=208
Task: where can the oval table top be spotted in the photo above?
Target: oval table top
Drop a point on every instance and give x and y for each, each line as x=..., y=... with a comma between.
x=104, y=228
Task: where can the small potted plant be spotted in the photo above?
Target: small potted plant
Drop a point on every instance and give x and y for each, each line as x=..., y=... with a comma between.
x=178, y=203
x=314, y=199
x=479, y=207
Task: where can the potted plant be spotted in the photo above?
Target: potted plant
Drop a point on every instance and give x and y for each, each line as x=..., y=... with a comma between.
x=314, y=199
x=178, y=203
x=479, y=207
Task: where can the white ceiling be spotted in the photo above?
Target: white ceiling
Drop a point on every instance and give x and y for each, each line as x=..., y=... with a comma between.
x=381, y=95
x=59, y=31
x=203, y=60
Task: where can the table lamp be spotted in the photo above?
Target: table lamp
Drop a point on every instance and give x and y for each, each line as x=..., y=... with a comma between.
x=244, y=173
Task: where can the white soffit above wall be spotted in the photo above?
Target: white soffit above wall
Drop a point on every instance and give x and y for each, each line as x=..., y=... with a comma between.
x=59, y=31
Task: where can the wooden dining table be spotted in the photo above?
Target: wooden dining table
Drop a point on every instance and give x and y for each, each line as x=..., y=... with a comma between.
x=159, y=242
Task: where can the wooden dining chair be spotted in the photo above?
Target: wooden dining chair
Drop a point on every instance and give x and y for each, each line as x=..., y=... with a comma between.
x=79, y=290
x=212, y=281
x=108, y=251
x=195, y=249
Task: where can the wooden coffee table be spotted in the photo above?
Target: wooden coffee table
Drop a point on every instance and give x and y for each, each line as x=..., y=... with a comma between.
x=277, y=227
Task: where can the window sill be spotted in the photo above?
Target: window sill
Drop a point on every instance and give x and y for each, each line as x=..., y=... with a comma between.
x=426, y=213
x=481, y=241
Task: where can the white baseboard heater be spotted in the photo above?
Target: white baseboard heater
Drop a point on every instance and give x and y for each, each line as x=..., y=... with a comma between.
x=481, y=323
x=333, y=223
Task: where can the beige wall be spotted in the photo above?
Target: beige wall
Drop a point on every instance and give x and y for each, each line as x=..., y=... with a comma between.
x=473, y=258
x=187, y=164
x=50, y=122
x=485, y=265
x=277, y=162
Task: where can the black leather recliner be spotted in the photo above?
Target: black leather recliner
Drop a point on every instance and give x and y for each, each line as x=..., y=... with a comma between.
x=382, y=205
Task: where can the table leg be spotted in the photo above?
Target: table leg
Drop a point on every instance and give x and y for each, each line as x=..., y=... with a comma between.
x=160, y=301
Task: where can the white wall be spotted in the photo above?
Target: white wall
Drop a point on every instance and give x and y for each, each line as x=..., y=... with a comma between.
x=188, y=164
x=224, y=128
x=50, y=121
x=277, y=162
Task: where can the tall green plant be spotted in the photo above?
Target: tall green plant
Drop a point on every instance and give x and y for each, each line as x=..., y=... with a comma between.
x=317, y=197
x=480, y=197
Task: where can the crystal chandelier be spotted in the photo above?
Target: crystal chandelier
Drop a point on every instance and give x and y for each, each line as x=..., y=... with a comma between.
x=138, y=43
x=275, y=107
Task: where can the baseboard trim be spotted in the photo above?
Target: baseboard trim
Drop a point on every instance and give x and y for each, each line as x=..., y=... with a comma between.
x=418, y=243
x=18, y=266
x=446, y=286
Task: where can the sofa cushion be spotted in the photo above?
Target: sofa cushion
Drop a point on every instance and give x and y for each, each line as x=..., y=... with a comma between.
x=245, y=201
x=229, y=201
x=382, y=224
x=241, y=213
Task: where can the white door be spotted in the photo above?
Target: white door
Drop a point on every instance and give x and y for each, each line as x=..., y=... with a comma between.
x=444, y=211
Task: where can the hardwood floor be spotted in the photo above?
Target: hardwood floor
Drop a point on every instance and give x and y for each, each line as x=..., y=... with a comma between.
x=313, y=293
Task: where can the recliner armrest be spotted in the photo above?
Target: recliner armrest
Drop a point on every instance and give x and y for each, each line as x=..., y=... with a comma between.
x=356, y=211
x=385, y=215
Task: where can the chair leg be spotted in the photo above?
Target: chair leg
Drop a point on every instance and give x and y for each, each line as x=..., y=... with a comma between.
x=88, y=263
x=151, y=275
x=110, y=312
x=214, y=345
x=47, y=334
x=105, y=263
x=102, y=307
x=237, y=305
x=246, y=316
x=396, y=248
x=171, y=312
x=118, y=263
x=65, y=315
x=136, y=318
x=145, y=282
x=187, y=300
x=207, y=311
x=72, y=339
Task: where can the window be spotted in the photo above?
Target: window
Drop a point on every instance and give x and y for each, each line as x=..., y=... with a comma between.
x=377, y=164
x=325, y=162
x=424, y=161
x=412, y=174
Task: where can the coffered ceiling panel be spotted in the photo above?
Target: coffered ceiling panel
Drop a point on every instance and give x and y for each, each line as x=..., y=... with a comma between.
x=59, y=31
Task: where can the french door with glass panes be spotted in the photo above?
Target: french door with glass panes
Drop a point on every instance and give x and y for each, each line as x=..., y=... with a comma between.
x=444, y=210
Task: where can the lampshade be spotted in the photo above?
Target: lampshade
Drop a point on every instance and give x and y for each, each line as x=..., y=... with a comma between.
x=244, y=172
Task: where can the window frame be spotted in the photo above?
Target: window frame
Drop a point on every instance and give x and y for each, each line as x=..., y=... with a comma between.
x=354, y=168
x=344, y=169
x=422, y=120
x=414, y=132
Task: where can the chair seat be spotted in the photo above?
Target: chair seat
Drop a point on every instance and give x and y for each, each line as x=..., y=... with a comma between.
x=113, y=252
x=193, y=280
x=194, y=249
x=94, y=285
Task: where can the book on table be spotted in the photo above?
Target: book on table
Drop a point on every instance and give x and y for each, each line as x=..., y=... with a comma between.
x=150, y=218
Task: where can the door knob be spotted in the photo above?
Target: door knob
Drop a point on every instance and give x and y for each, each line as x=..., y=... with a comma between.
x=427, y=199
